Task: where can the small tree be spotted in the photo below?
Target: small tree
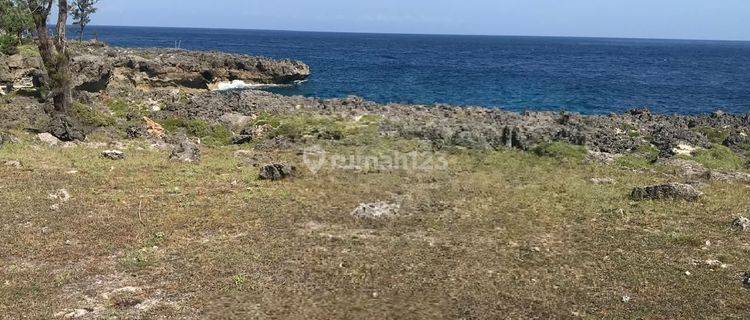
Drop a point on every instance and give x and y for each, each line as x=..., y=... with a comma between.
x=15, y=22
x=81, y=13
x=54, y=53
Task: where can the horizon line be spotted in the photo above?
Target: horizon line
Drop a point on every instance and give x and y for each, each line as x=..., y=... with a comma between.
x=426, y=34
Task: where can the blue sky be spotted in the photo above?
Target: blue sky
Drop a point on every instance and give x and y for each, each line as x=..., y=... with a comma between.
x=681, y=19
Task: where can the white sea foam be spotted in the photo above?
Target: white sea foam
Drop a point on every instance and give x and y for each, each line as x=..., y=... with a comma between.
x=240, y=85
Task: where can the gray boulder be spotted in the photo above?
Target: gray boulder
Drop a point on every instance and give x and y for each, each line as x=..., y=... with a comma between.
x=66, y=128
x=185, y=151
x=242, y=139
x=673, y=191
x=48, y=139
x=113, y=154
x=276, y=171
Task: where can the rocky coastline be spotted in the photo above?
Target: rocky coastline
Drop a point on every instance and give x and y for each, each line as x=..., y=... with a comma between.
x=180, y=83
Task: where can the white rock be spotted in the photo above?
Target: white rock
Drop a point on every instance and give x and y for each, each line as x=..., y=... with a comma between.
x=741, y=223
x=683, y=149
x=48, y=139
x=376, y=210
x=13, y=163
x=63, y=195
x=113, y=154
x=77, y=313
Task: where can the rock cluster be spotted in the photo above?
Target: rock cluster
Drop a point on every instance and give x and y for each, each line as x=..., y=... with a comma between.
x=484, y=128
x=95, y=66
x=673, y=191
x=376, y=210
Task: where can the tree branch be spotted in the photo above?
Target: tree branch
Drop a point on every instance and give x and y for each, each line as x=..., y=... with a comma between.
x=62, y=19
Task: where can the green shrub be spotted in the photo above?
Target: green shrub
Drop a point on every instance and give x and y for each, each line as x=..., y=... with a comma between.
x=297, y=127
x=634, y=161
x=560, y=150
x=28, y=50
x=715, y=135
x=91, y=116
x=8, y=44
x=210, y=134
x=647, y=151
x=719, y=157
x=123, y=109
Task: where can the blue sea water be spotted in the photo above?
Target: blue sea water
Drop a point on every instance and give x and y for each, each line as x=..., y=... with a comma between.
x=587, y=75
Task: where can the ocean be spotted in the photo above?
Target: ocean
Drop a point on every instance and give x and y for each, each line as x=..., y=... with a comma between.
x=586, y=75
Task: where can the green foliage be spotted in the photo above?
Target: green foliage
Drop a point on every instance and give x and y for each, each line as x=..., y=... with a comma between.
x=634, y=161
x=297, y=127
x=28, y=50
x=719, y=157
x=15, y=23
x=91, y=116
x=715, y=135
x=267, y=119
x=210, y=134
x=8, y=44
x=641, y=157
x=320, y=127
x=560, y=150
x=81, y=11
x=123, y=109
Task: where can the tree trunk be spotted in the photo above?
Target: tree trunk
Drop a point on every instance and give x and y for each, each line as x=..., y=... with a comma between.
x=56, y=60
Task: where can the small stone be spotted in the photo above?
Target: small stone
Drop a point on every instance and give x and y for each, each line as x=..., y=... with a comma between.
x=746, y=280
x=48, y=139
x=77, y=313
x=63, y=195
x=276, y=171
x=674, y=191
x=687, y=273
x=713, y=263
x=235, y=120
x=741, y=224
x=13, y=163
x=625, y=298
x=113, y=154
x=376, y=210
x=242, y=139
x=153, y=128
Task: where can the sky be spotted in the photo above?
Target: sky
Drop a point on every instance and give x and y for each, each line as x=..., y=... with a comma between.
x=673, y=19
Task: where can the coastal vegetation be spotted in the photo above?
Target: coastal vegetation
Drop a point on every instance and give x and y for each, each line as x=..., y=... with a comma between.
x=81, y=12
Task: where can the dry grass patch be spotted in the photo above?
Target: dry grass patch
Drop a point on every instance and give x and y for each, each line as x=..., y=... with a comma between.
x=495, y=235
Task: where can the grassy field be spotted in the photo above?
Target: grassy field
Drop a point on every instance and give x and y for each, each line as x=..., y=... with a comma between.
x=502, y=234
